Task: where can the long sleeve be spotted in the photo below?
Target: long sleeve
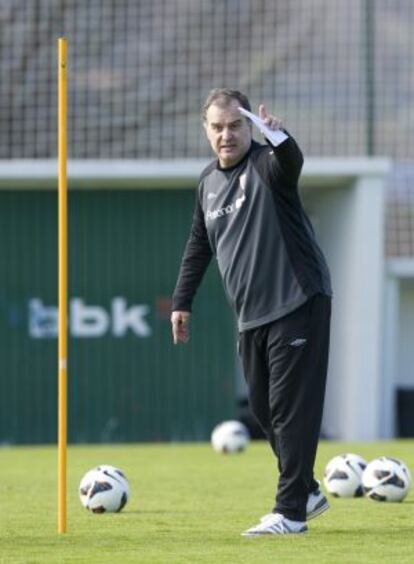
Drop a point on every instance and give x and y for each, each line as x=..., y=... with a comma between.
x=196, y=258
x=288, y=160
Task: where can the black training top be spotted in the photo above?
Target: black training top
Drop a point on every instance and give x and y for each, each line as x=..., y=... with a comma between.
x=251, y=218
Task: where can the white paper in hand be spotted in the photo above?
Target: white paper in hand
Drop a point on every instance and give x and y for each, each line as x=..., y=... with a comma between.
x=275, y=136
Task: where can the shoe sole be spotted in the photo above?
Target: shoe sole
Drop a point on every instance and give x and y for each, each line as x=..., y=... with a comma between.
x=273, y=534
x=318, y=511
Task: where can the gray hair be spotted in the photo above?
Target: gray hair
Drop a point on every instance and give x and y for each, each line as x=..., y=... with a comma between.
x=223, y=98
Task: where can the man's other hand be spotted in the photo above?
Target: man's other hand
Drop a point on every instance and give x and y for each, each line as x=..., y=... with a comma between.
x=180, y=330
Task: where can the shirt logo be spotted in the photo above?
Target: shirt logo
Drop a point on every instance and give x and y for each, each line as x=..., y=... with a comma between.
x=242, y=180
x=221, y=212
x=239, y=201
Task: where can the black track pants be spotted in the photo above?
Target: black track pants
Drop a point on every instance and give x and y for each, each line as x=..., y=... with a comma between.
x=285, y=366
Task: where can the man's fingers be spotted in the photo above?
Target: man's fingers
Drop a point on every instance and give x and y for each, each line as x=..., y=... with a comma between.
x=177, y=337
x=180, y=338
x=262, y=112
x=271, y=121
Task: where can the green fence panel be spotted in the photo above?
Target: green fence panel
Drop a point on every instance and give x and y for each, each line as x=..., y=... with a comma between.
x=126, y=380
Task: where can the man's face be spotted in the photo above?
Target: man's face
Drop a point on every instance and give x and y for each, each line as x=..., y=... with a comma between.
x=229, y=133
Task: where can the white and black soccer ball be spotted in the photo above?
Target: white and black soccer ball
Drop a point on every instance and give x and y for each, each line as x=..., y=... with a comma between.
x=343, y=475
x=230, y=437
x=386, y=479
x=104, y=489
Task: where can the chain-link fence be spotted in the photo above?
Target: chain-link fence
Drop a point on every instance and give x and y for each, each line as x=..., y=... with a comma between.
x=339, y=73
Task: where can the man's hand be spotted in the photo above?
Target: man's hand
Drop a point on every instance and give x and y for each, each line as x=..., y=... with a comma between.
x=271, y=121
x=180, y=331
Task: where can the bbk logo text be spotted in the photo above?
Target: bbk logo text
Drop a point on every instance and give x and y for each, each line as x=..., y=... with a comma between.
x=90, y=321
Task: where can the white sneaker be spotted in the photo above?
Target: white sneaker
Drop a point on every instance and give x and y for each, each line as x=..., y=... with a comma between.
x=276, y=524
x=317, y=504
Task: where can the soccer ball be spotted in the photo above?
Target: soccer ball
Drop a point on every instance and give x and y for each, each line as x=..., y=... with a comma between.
x=230, y=436
x=386, y=479
x=104, y=489
x=343, y=475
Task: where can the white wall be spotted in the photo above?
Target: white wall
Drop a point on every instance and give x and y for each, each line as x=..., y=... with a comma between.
x=329, y=210
x=404, y=376
x=349, y=219
x=398, y=349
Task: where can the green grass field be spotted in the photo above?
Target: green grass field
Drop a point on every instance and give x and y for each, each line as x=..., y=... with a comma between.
x=189, y=505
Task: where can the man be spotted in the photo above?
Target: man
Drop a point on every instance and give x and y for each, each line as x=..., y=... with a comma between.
x=249, y=215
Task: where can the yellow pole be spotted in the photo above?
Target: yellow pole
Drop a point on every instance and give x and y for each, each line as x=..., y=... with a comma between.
x=63, y=276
